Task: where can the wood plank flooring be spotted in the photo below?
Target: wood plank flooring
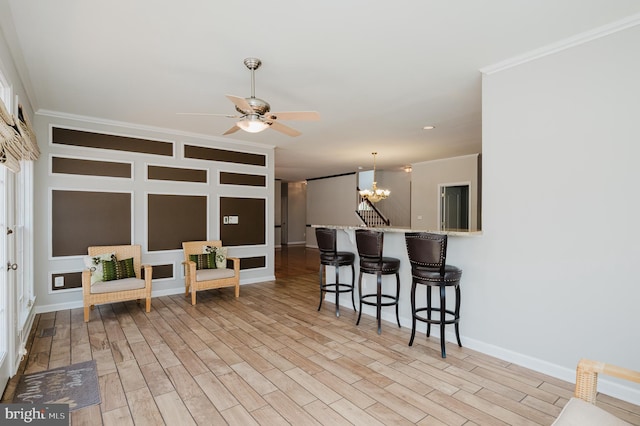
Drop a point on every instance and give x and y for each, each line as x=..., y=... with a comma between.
x=270, y=358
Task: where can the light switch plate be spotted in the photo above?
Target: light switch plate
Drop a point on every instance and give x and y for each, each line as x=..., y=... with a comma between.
x=58, y=282
x=233, y=220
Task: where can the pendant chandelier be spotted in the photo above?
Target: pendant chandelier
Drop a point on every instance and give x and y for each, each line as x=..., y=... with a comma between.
x=374, y=194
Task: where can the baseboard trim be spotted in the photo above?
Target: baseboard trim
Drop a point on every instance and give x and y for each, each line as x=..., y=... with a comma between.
x=41, y=309
x=605, y=384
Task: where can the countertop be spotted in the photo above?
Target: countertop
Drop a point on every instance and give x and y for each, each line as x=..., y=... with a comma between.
x=402, y=230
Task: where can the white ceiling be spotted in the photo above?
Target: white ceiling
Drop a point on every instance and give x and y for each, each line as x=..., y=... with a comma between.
x=376, y=71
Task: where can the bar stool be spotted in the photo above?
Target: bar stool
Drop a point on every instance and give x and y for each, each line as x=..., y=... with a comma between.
x=427, y=254
x=330, y=256
x=370, y=245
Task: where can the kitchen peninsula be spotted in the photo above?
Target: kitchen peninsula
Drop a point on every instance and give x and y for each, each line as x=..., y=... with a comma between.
x=394, y=246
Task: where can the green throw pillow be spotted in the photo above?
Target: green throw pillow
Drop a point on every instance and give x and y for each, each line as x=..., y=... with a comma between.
x=204, y=261
x=118, y=269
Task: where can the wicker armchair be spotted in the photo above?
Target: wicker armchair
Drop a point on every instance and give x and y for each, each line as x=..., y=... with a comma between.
x=119, y=290
x=205, y=279
x=581, y=410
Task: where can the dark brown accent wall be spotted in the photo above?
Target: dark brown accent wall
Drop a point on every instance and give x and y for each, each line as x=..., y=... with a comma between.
x=253, y=262
x=173, y=219
x=250, y=229
x=119, y=143
x=215, y=154
x=83, y=218
x=77, y=166
x=71, y=280
x=228, y=178
x=160, y=271
x=176, y=174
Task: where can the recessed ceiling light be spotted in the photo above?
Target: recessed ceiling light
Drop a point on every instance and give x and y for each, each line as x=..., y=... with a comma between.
x=428, y=127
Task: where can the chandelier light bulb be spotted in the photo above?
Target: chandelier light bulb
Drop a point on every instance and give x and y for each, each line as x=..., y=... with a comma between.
x=375, y=194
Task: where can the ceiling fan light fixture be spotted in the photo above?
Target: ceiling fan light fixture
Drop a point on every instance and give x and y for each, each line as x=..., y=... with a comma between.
x=252, y=124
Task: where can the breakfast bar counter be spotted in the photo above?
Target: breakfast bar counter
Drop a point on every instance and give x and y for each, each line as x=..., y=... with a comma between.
x=395, y=246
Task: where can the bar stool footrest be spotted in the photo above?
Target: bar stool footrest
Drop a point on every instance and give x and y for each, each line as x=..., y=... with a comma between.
x=336, y=288
x=437, y=321
x=394, y=300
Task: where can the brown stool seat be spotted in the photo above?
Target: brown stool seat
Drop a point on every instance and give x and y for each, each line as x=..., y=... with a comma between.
x=330, y=256
x=343, y=258
x=370, y=245
x=388, y=265
x=452, y=274
x=427, y=254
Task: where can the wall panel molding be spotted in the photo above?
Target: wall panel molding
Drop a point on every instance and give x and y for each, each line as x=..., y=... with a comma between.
x=89, y=139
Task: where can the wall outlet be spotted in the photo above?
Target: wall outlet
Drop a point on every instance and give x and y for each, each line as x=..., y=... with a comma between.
x=233, y=220
x=58, y=282
x=225, y=220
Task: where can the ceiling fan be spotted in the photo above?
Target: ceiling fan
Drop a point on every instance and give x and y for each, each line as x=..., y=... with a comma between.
x=255, y=114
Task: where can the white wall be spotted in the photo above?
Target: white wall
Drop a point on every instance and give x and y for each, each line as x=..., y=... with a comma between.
x=396, y=208
x=554, y=276
x=428, y=176
x=331, y=201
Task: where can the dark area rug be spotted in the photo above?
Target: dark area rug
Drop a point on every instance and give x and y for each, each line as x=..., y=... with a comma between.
x=76, y=385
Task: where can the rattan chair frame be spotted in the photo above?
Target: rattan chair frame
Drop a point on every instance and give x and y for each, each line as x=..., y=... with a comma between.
x=191, y=285
x=587, y=377
x=121, y=252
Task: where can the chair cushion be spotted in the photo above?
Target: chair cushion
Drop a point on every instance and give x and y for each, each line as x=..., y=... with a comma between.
x=94, y=264
x=204, y=260
x=387, y=266
x=580, y=413
x=117, y=269
x=117, y=285
x=213, y=274
x=342, y=257
x=221, y=257
x=452, y=274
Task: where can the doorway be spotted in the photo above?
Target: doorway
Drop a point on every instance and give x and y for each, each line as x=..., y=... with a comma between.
x=284, y=214
x=454, y=207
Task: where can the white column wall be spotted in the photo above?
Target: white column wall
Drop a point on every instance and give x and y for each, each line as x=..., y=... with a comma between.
x=554, y=276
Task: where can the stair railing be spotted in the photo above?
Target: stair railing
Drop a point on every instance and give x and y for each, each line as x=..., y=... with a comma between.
x=369, y=213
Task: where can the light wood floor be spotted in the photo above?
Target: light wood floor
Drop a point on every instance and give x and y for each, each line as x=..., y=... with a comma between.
x=270, y=358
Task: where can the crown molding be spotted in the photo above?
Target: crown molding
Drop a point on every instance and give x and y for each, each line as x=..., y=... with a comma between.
x=585, y=37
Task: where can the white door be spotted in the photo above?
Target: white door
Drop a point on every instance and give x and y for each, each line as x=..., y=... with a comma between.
x=7, y=272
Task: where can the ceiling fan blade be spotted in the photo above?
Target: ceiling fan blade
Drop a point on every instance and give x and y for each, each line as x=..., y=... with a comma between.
x=294, y=115
x=208, y=114
x=284, y=129
x=240, y=103
x=231, y=130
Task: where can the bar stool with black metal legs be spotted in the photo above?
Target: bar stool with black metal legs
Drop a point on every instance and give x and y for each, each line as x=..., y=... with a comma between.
x=330, y=256
x=370, y=245
x=427, y=254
